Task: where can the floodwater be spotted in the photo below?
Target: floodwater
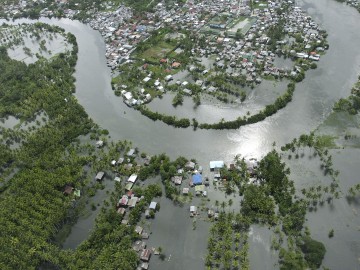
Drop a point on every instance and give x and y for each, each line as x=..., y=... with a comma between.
x=9, y=122
x=342, y=215
x=55, y=46
x=212, y=111
x=311, y=105
x=312, y=102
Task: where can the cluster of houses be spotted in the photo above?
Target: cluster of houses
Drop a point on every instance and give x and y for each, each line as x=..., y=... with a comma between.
x=128, y=201
x=252, y=57
x=142, y=97
x=196, y=15
x=249, y=57
x=15, y=9
x=354, y=3
x=124, y=206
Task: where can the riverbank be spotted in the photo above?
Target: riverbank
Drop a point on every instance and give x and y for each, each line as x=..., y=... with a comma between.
x=312, y=103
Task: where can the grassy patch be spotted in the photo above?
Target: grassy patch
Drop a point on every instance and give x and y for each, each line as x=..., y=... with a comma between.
x=325, y=141
x=153, y=92
x=157, y=52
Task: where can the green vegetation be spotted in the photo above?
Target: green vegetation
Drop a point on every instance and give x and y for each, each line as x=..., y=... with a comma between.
x=268, y=111
x=352, y=103
x=34, y=208
x=32, y=202
x=318, y=146
x=257, y=205
x=313, y=250
x=276, y=33
x=170, y=120
x=240, y=121
x=162, y=44
x=227, y=243
x=269, y=199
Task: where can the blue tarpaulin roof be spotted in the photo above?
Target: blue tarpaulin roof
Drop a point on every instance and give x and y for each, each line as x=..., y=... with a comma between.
x=197, y=179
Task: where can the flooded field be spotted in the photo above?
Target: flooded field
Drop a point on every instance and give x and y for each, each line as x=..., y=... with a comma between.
x=28, y=45
x=312, y=103
x=211, y=110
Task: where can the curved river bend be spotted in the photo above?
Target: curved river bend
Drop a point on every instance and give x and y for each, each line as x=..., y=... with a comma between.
x=312, y=103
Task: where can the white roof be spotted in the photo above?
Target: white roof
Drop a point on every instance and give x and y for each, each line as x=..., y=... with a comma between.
x=132, y=178
x=192, y=208
x=128, y=95
x=216, y=164
x=153, y=205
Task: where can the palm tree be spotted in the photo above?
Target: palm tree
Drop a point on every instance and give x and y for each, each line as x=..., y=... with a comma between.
x=223, y=205
x=230, y=203
x=217, y=205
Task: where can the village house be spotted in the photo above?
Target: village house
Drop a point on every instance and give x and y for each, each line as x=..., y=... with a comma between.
x=153, y=206
x=177, y=180
x=131, y=153
x=99, y=143
x=193, y=211
x=132, y=178
x=139, y=245
x=197, y=179
x=68, y=190
x=99, y=176
x=132, y=202
x=123, y=202
x=216, y=165
x=190, y=165
x=121, y=211
x=138, y=230
x=145, y=255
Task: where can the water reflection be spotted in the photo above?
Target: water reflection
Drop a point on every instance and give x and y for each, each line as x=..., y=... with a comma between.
x=312, y=101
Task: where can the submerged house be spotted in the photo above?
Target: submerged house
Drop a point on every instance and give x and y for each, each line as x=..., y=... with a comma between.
x=197, y=179
x=99, y=143
x=132, y=178
x=145, y=255
x=131, y=153
x=68, y=190
x=153, y=206
x=218, y=164
x=193, y=210
x=99, y=176
x=177, y=180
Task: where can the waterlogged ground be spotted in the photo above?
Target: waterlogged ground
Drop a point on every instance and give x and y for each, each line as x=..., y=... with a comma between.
x=312, y=103
x=344, y=127
x=27, y=44
x=212, y=110
x=343, y=250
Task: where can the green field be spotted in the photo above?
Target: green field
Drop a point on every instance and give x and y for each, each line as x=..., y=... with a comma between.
x=157, y=52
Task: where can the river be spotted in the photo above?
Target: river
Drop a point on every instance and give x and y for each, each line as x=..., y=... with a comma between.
x=312, y=103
